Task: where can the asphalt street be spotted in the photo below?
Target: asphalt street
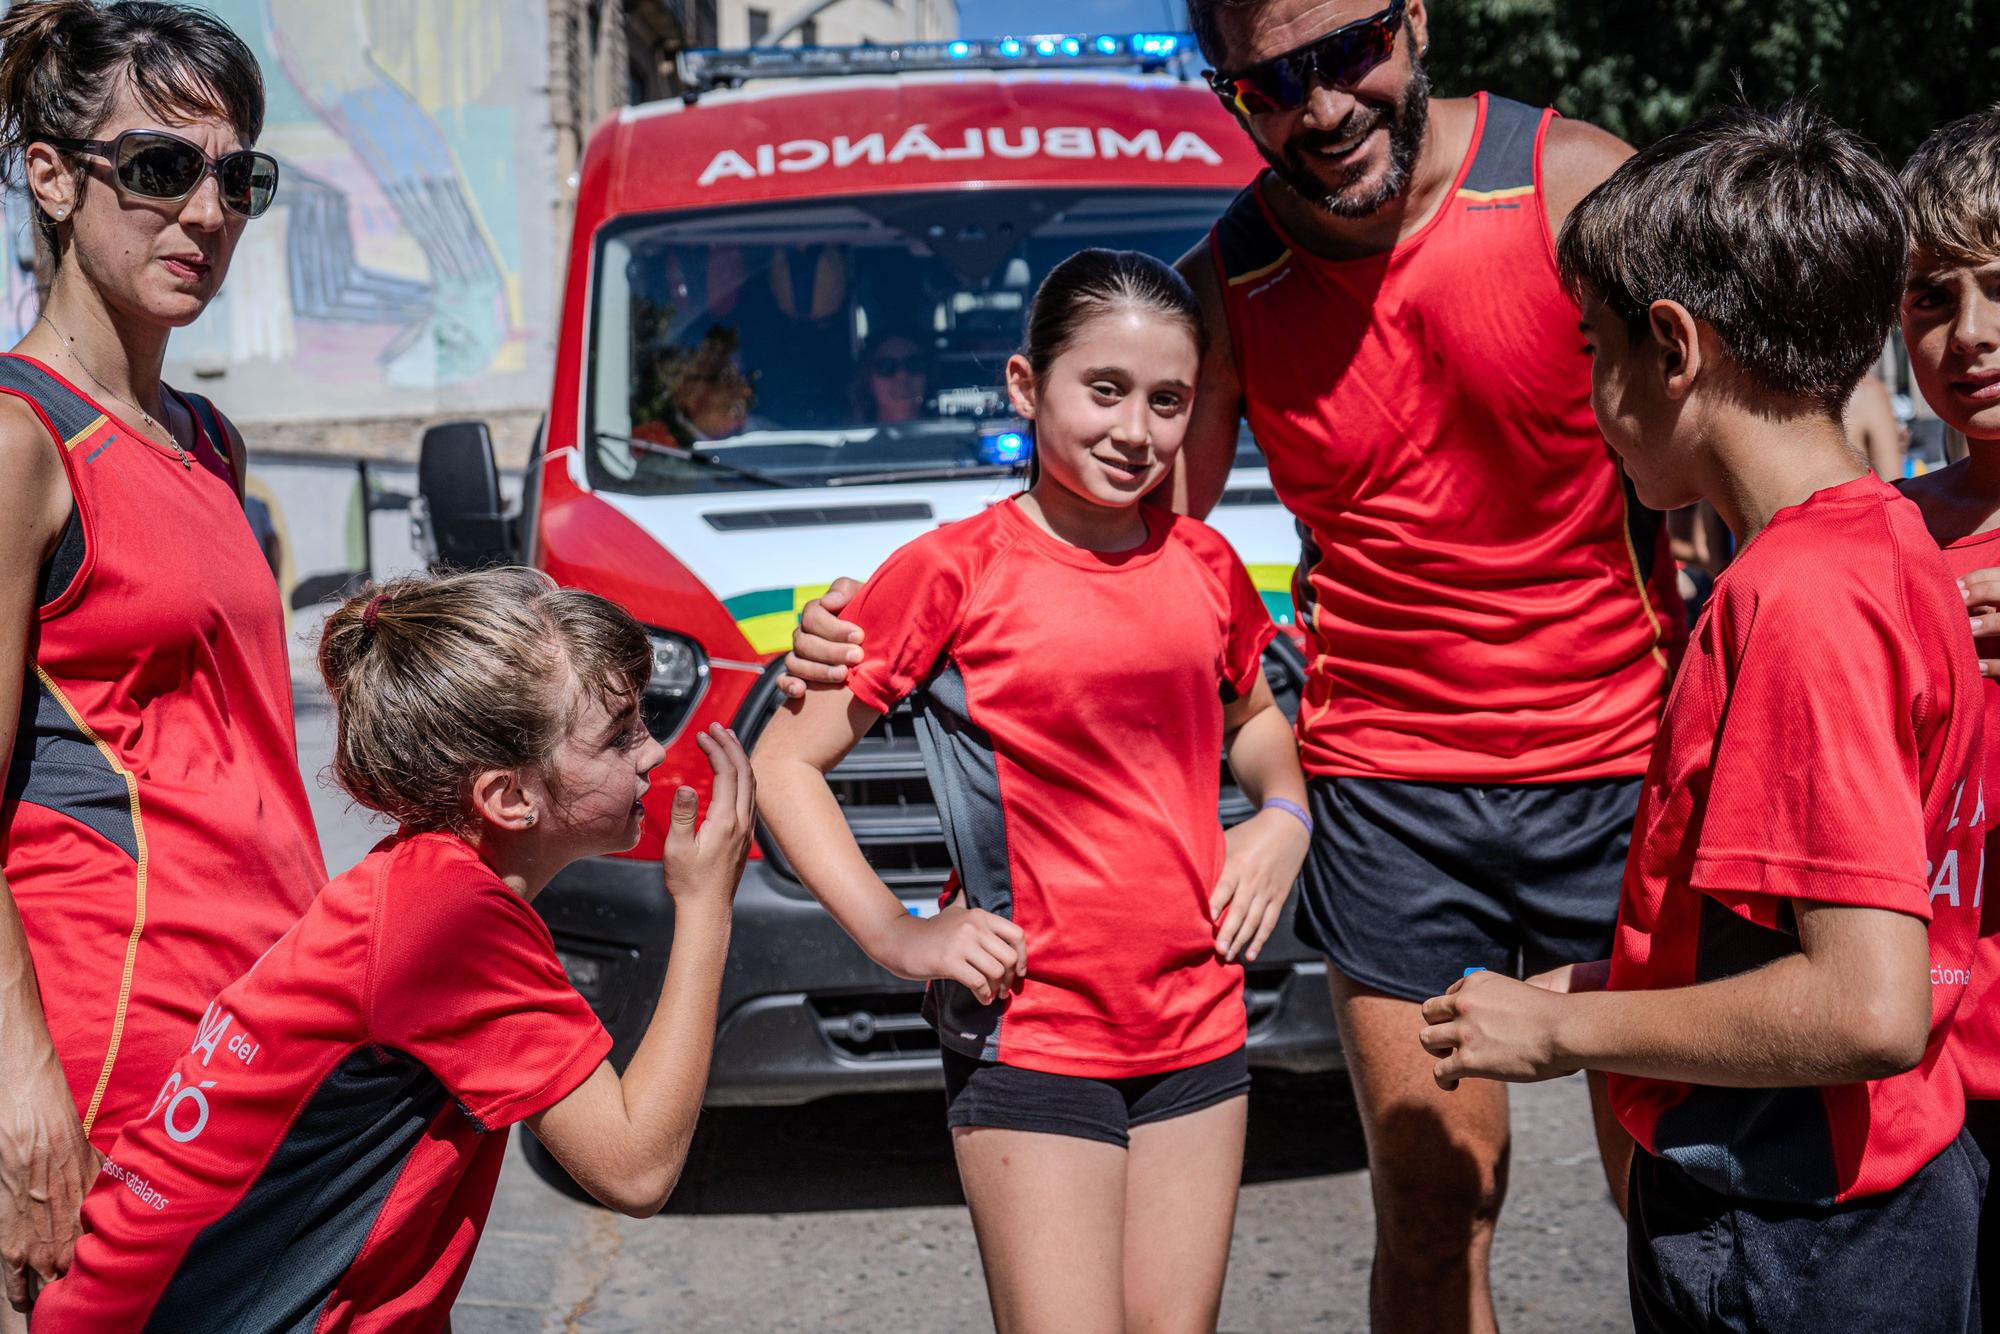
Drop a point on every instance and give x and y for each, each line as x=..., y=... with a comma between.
x=845, y=1215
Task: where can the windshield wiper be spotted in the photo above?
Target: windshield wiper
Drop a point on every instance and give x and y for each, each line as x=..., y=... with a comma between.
x=707, y=458
x=937, y=474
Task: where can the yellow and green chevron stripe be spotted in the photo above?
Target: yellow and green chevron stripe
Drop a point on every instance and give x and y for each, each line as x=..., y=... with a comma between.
x=1275, y=583
x=767, y=616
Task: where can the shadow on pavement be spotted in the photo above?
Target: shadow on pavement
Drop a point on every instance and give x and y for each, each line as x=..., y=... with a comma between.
x=889, y=1151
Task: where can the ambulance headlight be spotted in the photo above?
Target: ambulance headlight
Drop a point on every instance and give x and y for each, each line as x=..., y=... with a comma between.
x=680, y=674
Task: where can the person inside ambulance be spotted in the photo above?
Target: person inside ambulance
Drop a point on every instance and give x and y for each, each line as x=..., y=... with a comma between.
x=704, y=393
x=891, y=381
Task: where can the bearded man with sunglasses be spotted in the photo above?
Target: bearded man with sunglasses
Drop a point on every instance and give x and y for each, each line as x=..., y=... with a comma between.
x=1489, y=614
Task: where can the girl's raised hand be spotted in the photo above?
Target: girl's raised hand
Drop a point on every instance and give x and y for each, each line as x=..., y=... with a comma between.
x=1264, y=855
x=1981, y=591
x=703, y=865
x=988, y=954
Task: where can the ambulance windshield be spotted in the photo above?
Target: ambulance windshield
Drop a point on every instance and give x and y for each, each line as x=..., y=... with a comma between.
x=798, y=344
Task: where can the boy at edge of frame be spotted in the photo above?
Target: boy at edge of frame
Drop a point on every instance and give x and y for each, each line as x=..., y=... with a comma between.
x=1797, y=923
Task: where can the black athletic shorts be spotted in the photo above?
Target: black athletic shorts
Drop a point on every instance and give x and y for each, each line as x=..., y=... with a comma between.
x=1004, y=1097
x=1903, y=1260
x=1408, y=885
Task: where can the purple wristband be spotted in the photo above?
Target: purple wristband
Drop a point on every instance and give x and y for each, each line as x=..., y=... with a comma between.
x=1291, y=808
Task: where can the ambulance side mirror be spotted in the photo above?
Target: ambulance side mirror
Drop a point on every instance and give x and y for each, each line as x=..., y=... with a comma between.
x=460, y=518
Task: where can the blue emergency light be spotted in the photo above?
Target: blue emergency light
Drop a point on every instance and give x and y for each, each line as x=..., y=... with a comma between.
x=710, y=68
x=1005, y=448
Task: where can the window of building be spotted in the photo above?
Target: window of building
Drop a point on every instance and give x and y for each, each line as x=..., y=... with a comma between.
x=760, y=25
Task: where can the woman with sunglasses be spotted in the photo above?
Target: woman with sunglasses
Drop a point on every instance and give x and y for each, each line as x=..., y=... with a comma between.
x=155, y=837
x=894, y=379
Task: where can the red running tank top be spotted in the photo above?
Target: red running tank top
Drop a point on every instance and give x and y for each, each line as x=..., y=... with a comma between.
x=155, y=831
x=1483, y=600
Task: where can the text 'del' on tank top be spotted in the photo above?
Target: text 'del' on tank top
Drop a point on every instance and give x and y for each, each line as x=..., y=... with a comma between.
x=1483, y=599
x=155, y=831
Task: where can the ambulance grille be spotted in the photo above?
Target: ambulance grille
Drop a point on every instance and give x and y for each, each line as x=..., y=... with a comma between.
x=882, y=788
x=890, y=1026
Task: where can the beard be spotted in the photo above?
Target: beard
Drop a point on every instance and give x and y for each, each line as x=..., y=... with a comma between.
x=1351, y=197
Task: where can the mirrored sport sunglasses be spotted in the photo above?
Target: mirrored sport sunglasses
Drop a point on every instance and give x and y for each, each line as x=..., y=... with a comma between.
x=1341, y=58
x=152, y=164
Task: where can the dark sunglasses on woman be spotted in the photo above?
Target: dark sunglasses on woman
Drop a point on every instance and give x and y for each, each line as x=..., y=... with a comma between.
x=165, y=168
x=1342, y=58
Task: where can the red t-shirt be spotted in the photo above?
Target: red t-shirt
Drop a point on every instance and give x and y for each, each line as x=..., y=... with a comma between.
x=1070, y=706
x=324, y=1154
x=1822, y=744
x=1975, y=1036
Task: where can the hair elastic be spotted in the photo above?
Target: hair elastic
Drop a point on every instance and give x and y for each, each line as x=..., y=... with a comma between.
x=368, y=612
x=1291, y=808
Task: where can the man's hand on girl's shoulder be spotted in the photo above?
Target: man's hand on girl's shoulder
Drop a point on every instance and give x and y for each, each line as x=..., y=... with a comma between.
x=1981, y=591
x=823, y=645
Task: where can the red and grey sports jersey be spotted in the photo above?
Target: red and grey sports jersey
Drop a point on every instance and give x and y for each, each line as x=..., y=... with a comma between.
x=323, y=1155
x=1483, y=600
x=1071, y=716
x=1975, y=1035
x=155, y=831
x=1822, y=744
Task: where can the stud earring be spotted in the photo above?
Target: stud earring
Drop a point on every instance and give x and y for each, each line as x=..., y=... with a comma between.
x=531, y=817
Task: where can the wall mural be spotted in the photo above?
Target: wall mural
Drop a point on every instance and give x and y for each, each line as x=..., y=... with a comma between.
x=387, y=278
x=393, y=258
x=422, y=124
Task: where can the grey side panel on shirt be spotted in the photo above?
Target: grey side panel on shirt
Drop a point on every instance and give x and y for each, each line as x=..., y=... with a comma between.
x=269, y=1264
x=1506, y=156
x=1749, y=1143
x=56, y=766
x=68, y=411
x=965, y=778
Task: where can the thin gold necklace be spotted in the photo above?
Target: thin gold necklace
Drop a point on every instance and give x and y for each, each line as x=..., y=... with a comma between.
x=69, y=345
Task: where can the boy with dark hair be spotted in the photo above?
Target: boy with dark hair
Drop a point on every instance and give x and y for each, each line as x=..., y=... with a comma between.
x=1796, y=928
x=1951, y=327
